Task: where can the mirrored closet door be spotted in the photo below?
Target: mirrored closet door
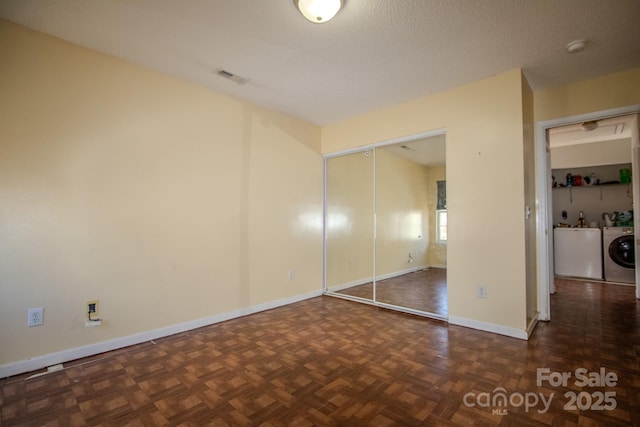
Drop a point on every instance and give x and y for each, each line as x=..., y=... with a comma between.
x=389, y=202
x=349, y=225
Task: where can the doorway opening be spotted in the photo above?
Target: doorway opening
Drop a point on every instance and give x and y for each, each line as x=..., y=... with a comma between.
x=547, y=216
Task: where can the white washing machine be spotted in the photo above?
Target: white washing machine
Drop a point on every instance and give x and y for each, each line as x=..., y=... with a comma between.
x=618, y=253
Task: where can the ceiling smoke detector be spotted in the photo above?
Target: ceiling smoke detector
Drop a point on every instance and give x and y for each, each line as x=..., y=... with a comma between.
x=576, y=46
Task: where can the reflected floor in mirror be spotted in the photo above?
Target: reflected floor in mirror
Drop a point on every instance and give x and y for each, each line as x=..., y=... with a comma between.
x=424, y=290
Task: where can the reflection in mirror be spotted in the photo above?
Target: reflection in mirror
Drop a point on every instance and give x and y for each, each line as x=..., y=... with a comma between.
x=411, y=225
x=349, y=224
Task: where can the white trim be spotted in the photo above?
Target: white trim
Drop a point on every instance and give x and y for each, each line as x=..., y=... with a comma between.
x=440, y=241
x=401, y=272
x=324, y=225
x=489, y=327
x=544, y=224
x=543, y=172
x=635, y=180
x=343, y=286
x=412, y=311
x=390, y=306
x=39, y=362
x=374, y=231
x=373, y=146
x=436, y=132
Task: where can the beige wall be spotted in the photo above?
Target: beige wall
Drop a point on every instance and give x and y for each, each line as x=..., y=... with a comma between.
x=484, y=124
x=169, y=202
x=610, y=152
x=402, y=214
x=489, y=127
x=402, y=209
x=349, y=243
x=164, y=200
x=607, y=92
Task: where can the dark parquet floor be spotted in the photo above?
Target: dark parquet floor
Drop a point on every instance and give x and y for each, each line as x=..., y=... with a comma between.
x=327, y=361
x=424, y=290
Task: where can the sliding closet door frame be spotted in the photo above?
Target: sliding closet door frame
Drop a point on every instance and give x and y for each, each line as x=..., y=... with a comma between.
x=364, y=149
x=375, y=225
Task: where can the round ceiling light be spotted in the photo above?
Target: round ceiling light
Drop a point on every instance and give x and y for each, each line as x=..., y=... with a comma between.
x=318, y=11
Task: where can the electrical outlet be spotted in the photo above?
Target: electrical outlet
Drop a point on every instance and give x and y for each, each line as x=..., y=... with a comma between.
x=92, y=310
x=35, y=316
x=92, y=313
x=482, y=292
x=292, y=274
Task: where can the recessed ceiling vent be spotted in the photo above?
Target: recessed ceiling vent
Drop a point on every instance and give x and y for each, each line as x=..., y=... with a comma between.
x=233, y=77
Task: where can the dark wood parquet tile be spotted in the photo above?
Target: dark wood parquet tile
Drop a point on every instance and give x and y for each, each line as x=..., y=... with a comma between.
x=326, y=361
x=424, y=290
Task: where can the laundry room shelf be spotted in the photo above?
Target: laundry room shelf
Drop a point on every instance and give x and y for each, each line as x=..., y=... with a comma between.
x=593, y=187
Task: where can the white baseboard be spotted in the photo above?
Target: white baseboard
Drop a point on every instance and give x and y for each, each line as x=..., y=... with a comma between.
x=401, y=272
x=489, y=327
x=39, y=362
x=343, y=286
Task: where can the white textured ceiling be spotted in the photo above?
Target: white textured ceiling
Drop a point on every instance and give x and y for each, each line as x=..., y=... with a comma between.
x=373, y=54
x=429, y=151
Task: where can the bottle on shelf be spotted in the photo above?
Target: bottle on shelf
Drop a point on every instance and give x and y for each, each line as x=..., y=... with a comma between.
x=581, y=220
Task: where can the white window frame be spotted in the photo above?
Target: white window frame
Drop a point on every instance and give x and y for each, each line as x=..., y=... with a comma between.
x=439, y=238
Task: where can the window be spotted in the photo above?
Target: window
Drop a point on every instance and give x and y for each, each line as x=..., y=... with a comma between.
x=441, y=226
x=441, y=212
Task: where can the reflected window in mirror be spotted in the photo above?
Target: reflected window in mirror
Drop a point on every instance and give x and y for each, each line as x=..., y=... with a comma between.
x=441, y=213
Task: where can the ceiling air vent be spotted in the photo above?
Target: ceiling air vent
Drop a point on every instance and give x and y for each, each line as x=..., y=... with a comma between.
x=233, y=77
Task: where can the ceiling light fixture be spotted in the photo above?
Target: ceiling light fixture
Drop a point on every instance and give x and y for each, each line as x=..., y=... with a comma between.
x=576, y=46
x=318, y=11
x=589, y=126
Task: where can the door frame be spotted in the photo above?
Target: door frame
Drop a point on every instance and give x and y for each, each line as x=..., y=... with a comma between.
x=544, y=215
